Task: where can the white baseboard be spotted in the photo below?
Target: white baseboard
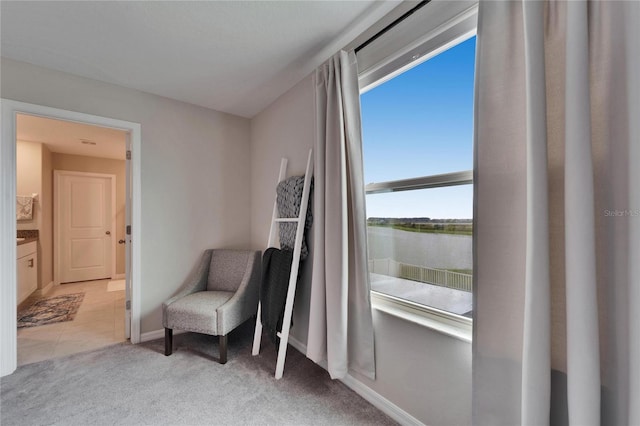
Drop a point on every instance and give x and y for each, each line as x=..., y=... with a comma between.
x=42, y=292
x=45, y=290
x=156, y=334
x=380, y=402
x=301, y=347
x=119, y=277
x=373, y=397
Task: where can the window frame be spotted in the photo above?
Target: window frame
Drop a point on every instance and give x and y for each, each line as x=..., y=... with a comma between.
x=464, y=177
x=453, y=31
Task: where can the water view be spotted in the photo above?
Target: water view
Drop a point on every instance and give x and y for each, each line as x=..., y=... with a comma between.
x=425, y=262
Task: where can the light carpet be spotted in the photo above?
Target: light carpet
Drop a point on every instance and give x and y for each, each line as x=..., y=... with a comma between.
x=137, y=385
x=117, y=285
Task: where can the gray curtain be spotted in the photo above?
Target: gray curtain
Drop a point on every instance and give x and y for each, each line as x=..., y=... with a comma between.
x=340, y=323
x=557, y=236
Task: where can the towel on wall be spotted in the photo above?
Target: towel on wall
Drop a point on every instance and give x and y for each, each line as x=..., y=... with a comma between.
x=289, y=198
x=276, y=268
x=24, y=207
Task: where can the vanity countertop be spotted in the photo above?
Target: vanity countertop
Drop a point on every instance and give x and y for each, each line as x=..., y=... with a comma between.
x=26, y=240
x=26, y=236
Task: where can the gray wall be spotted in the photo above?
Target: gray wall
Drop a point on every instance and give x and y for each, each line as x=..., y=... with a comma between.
x=425, y=373
x=195, y=171
x=284, y=129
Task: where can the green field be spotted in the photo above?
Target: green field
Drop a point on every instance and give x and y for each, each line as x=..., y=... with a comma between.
x=430, y=228
x=462, y=271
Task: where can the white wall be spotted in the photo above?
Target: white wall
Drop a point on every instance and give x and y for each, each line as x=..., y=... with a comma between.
x=425, y=373
x=195, y=171
x=284, y=129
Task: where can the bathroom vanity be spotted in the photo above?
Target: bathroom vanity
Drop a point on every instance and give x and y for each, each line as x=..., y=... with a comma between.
x=27, y=268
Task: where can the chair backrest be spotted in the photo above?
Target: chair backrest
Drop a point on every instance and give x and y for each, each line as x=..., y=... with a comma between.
x=227, y=269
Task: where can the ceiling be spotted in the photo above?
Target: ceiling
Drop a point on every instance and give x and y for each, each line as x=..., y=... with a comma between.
x=231, y=56
x=66, y=137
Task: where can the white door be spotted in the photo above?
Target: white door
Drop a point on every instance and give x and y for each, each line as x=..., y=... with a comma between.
x=85, y=224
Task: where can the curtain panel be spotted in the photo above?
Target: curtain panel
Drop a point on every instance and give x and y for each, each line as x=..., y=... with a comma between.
x=340, y=318
x=557, y=210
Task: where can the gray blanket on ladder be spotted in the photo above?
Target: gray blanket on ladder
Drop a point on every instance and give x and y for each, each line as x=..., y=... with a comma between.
x=276, y=267
x=289, y=197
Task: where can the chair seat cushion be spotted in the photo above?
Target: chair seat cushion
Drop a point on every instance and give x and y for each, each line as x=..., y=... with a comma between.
x=196, y=312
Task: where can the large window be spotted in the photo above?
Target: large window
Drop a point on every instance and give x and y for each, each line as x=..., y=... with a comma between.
x=418, y=157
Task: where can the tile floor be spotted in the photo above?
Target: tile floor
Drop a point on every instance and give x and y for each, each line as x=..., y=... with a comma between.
x=99, y=322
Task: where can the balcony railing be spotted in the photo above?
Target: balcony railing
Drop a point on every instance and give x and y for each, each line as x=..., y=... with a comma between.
x=440, y=277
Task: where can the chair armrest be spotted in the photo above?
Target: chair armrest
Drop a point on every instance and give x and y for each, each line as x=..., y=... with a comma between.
x=244, y=302
x=197, y=281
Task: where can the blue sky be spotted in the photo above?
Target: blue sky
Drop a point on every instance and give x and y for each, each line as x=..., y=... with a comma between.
x=420, y=123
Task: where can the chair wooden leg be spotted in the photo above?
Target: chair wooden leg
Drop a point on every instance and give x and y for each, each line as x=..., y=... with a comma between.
x=223, y=349
x=168, y=341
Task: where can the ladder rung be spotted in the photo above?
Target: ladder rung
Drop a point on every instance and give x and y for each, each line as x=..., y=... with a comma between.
x=287, y=219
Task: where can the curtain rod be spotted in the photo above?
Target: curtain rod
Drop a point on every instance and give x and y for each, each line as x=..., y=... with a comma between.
x=391, y=25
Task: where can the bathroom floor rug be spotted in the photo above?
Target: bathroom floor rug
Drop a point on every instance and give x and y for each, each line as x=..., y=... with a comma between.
x=50, y=310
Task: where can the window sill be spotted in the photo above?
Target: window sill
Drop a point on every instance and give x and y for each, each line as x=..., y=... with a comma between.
x=452, y=325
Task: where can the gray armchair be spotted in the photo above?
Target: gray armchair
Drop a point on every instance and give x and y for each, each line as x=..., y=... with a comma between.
x=218, y=297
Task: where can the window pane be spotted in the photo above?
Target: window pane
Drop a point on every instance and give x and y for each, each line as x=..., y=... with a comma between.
x=420, y=123
x=451, y=202
x=420, y=246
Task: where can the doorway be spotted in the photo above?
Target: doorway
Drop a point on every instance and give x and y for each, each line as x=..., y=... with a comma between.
x=79, y=172
x=10, y=112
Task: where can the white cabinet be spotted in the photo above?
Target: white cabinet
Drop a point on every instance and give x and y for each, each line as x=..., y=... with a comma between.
x=27, y=270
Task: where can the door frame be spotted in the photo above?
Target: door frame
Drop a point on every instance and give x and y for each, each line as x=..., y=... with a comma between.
x=57, y=174
x=8, y=321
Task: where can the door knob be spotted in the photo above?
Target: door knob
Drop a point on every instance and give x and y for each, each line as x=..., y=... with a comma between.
x=120, y=241
x=108, y=233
